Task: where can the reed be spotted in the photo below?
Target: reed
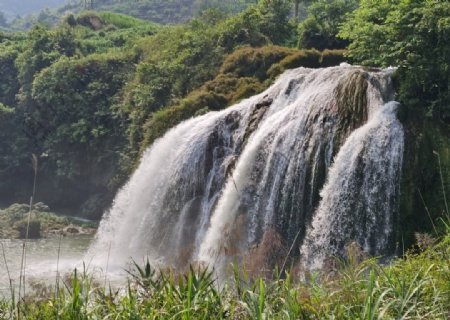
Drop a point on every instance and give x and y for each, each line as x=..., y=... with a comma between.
x=11, y=287
x=413, y=287
x=34, y=164
x=442, y=184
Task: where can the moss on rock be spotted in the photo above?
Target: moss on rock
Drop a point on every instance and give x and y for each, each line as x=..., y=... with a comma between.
x=245, y=72
x=351, y=104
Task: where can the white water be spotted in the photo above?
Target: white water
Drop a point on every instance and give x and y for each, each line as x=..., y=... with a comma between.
x=360, y=194
x=44, y=259
x=212, y=186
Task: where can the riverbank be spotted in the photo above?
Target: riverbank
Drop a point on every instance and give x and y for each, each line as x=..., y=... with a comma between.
x=19, y=222
x=416, y=286
x=44, y=259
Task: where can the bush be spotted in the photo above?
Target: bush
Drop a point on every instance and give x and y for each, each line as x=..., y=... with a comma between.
x=416, y=286
x=28, y=229
x=331, y=58
x=244, y=73
x=254, y=62
x=412, y=35
x=321, y=27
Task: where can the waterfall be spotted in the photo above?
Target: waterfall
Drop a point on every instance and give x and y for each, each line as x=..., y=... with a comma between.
x=359, y=199
x=314, y=161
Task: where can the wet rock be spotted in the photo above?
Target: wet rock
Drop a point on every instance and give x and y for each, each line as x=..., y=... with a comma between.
x=72, y=229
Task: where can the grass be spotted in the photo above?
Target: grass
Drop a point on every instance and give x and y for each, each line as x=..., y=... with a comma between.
x=416, y=286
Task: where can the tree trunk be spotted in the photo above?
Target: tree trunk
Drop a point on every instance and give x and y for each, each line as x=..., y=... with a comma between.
x=296, y=9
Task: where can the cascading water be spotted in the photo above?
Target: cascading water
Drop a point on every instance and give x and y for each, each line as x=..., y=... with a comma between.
x=360, y=196
x=213, y=186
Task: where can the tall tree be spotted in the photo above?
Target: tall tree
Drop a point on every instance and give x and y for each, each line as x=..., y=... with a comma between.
x=3, y=21
x=319, y=30
x=413, y=35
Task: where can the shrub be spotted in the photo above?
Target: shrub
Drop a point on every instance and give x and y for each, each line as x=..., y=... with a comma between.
x=412, y=35
x=28, y=229
x=254, y=62
x=321, y=27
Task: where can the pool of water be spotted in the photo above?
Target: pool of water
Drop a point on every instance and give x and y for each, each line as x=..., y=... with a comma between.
x=44, y=259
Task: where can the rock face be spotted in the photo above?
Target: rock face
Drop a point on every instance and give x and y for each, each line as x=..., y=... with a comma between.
x=223, y=184
x=91, y=21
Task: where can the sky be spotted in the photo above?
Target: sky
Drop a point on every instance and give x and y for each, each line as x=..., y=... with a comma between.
x=12, y=8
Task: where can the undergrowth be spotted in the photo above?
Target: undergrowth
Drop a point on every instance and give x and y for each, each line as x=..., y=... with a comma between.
x=416, y=286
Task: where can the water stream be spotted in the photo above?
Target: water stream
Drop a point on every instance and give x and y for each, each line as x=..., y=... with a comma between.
x=314, y=160
x=42, y=262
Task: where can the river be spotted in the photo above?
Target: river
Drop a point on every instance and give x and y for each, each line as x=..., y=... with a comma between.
x=42, y=262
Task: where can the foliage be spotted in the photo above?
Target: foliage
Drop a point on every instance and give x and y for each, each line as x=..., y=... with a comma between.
x=172, y=11
x=43, y=48
x=122, y=21
x=161, y=11
x=84, y=96
x=4, y=110
x=266, y=22
x=319, y=30
x=250, y=62
x=229, y=7
x=412, y=35
x=426, y=177
x=272, y=19
x=8, y=72
x=14, y=221
x=413, y=287
x=161, y=79
x=244, y=72
x=74, y=130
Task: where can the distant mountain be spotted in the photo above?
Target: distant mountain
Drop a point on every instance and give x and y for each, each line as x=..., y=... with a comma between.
x=159, y=11
x=162, y=11
x=14, y=8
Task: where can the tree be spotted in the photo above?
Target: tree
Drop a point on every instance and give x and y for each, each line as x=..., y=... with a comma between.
x=319, y=30
x=89, y=4
x=412, y=35
x=273, y=19
x=299, y=8
x=3, y=21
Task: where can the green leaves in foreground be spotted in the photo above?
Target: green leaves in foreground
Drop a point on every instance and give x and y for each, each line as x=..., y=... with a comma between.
x=414, y=287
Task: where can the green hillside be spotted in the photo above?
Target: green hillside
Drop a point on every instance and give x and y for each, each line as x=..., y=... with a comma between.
x=89, y=95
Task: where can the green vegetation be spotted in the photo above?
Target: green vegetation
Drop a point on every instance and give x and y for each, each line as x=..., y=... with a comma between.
x=320, y=28
x=412, y=35
x=88, y=96
x=158, y=11
x=245, y=72
x=414, y=287
x=41, y=222
x=169, y=12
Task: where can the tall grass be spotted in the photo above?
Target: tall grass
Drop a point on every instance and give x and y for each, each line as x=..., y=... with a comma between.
x=22, y=278
x=447, y=212
x=416, y=286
